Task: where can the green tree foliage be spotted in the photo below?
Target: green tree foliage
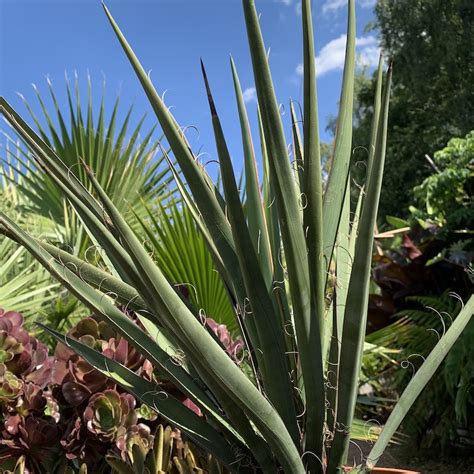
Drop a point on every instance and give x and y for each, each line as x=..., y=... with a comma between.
x=431, y=42
x=446, y=197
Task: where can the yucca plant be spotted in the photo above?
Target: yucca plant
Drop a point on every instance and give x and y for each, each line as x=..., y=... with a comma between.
x=295, y=267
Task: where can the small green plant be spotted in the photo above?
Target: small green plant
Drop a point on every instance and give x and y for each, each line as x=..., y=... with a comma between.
x=295, y=267
x=441, y=416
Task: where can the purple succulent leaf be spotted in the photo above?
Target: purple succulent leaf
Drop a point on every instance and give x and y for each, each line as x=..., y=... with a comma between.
x=15, y=344
x=146, y=370
x=21, y=363
x=15, y=318
x=80, y=381
x=74, y=393
x=38, y=432
x=73, y=440
x=63, y=353
x=59, y=371
x=192, y=406
x=80, y=445
x=233, y=347
x=91, y=377
x=32, y=400
x=121, y=351
x=43, y=373
x=12, y=423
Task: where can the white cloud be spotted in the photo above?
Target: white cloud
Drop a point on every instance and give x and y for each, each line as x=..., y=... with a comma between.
x=331, y=56
x=285, y=2
x=250, y=95
x=331, y=6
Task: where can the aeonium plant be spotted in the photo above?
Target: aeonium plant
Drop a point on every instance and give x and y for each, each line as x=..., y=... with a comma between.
x=25, y=373
x=60, y=411
x=295, y=264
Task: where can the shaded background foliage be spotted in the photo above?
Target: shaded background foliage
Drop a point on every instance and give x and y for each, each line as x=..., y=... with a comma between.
x=422, y=277
x=432, y=100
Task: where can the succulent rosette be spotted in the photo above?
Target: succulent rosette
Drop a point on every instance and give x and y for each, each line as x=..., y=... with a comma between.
x=15, y=348
x=107, y=412
x=79, y=446
x=32, y=400
x=60, y=411
x=127, y=437
x=25, y=370
x=35, y=438
x=10, y=386
x=22, y=354
x=79, y=380
x=121, y=351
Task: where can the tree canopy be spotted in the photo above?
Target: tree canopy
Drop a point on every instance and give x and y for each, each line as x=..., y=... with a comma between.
x=431, y=43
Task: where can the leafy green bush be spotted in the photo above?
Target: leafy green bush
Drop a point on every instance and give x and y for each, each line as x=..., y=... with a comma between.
x=430, y=42
x=421, y=271
x=447, y=196
x=441, y=417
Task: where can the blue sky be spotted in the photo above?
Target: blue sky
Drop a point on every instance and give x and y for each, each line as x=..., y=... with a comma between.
x=40, y=38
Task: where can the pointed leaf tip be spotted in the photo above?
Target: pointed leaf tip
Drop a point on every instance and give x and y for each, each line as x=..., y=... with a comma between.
x=208, y=90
